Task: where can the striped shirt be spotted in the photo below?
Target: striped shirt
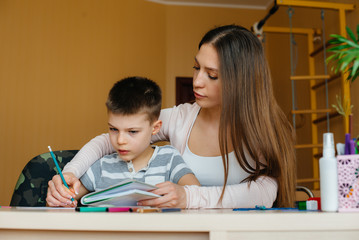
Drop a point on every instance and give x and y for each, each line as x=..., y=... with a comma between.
x=166, y=164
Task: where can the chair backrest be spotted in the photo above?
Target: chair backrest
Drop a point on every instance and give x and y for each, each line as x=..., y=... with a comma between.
x=31, y=187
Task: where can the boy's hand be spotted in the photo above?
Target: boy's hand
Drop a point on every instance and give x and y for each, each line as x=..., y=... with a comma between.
x=173, y=195
x=60, y=196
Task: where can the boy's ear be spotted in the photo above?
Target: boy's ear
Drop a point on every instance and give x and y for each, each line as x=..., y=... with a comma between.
x=156, y=127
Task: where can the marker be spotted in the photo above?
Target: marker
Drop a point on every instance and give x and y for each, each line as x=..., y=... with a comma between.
x=352, y=146
x=91, y=209
x=119, y=209
x=170, y=209
x=59, y=170
x=263, y=208
x=147, y=210
x=347, y=144
x=257, y=207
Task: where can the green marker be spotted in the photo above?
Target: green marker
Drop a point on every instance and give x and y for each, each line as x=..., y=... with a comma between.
x=91, y=209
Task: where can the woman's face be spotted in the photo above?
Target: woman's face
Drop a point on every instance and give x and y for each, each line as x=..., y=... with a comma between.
x=206, y=81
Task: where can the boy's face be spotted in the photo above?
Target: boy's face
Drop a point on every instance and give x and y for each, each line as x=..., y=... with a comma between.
x=131, y=134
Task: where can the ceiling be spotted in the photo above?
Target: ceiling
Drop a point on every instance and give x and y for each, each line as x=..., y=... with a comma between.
x=246, y=4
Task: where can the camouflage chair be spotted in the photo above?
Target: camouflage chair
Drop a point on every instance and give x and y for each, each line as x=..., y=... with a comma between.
x=31, y=187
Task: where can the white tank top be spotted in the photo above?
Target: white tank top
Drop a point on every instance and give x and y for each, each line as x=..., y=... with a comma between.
x=209, y=170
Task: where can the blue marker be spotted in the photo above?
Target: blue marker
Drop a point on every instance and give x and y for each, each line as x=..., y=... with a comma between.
x=170, y=209
x=59, y=170
x=258, y=207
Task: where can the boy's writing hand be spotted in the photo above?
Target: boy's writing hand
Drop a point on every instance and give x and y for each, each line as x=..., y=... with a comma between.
x=60, y=196
x=173, y=195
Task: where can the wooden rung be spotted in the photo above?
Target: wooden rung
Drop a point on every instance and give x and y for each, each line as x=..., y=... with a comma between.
x=301, y=146
x=319, y=49
x=324, y=118
x=304, y=180
x=322, y=83
x=316, y=77
x=310, y=111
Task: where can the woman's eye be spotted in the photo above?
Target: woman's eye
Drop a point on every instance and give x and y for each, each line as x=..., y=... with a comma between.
x=196, y=68
x=133, y=132
x=213, y=77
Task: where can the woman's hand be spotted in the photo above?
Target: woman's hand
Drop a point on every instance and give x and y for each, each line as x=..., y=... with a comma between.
x=173, y=195
x=60, y=196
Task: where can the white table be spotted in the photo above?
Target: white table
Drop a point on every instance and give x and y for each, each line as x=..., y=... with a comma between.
x=188, y=224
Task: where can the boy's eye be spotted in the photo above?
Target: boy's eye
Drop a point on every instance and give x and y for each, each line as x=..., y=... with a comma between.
x=133, y=132
x=113, y=129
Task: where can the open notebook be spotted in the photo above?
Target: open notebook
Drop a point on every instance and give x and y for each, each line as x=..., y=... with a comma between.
x=125, y=193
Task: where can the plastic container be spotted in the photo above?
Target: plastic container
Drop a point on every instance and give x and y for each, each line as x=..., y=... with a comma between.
x=328, y=175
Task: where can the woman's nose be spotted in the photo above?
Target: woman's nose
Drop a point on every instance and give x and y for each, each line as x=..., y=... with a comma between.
x=198, y=80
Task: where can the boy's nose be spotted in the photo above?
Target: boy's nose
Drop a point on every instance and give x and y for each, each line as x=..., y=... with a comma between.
x=121, y=139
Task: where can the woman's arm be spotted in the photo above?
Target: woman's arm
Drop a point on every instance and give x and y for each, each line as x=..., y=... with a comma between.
x=261, y=192
x=176, y=124
x=92, y=151
x=189, y=179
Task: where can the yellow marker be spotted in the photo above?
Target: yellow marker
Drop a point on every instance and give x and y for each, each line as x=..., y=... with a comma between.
x=147, y=210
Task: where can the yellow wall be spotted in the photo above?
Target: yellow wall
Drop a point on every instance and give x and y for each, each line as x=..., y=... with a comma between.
x=59, y=59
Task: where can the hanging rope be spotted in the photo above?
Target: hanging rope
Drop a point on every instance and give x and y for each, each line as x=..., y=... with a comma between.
x=325, y=68
x=292, y=67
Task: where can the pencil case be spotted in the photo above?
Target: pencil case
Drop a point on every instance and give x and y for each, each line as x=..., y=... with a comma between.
x=348, y=181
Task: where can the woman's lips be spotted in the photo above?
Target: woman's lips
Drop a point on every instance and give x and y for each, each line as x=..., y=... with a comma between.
x=197, y=95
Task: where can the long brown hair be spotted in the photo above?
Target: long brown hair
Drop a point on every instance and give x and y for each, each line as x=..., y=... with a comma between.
x=250, y=117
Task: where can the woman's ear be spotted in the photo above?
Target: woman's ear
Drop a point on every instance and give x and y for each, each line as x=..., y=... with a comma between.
x=156, y=127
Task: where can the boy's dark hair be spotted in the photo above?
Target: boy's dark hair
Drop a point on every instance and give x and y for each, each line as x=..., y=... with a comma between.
x=133, y=95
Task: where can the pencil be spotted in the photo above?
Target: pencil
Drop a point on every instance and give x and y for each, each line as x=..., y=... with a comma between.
x=59, y=170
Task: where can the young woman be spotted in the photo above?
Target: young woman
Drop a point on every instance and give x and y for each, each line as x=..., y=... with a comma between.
x=235, y=138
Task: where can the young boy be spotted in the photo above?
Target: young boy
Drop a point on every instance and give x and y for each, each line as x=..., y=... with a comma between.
x=134, y=106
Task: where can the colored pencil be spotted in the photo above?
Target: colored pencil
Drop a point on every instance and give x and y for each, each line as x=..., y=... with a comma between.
x=59, y=170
